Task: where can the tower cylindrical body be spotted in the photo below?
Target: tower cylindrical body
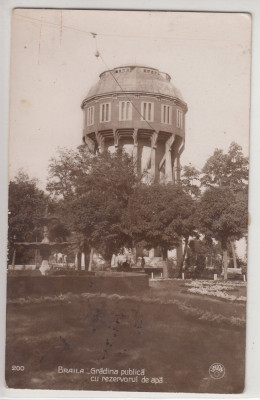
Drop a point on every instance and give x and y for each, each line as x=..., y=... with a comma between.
x=137, y=109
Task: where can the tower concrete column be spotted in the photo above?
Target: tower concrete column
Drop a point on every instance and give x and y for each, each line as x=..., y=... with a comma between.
x=168, y=164
x=153, y=163
x=116, y=139
x=173, y=170
x=168, y=159
x=178, y=169
x=151, y=253
x=83, y=266
x=153, y=153
x=135, y=150
x=100, y=142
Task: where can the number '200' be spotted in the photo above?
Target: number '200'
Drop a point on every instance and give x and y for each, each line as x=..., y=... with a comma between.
x=17, y=368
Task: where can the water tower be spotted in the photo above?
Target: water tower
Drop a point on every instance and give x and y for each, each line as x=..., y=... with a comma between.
x=138, y=109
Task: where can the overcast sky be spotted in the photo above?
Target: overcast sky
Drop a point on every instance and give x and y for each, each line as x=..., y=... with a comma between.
x=53, y=65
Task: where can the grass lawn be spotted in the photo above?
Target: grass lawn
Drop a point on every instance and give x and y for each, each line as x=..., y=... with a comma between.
x=122, y=332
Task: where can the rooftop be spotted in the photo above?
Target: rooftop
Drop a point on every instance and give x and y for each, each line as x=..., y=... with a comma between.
x=133, y=78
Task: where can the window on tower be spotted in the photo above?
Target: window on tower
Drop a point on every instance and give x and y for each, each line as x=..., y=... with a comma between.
x=166, y=114
x=105, y=112
x=147, y=111
x=179, y=119
x=90, y=116
x=125, y=111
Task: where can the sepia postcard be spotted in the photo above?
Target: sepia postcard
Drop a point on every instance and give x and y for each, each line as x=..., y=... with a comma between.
x=128, y=201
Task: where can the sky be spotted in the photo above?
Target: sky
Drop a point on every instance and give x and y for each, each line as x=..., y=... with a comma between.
x=53, y=65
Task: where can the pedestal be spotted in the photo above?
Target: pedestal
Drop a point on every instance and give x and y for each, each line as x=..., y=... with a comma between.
x=44, y=268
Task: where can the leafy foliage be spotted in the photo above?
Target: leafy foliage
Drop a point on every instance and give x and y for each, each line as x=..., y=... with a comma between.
x=190, y=180
x=230, y=169
x=73, y=173
x=26, y=203
x=222, y=214
x=94, y=193
x=157, y=215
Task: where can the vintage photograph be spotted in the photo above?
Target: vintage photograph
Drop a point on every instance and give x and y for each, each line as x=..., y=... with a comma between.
x=128, y=201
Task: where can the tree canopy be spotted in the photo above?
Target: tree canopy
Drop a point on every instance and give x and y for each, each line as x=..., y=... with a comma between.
x=190, y=180
x=72, y=173
x=26, y=203
x=222, y=214
x=226, y=169
x=157, y=215
x=94, y=192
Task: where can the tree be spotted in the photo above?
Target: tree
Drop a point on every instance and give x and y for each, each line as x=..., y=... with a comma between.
x=26, y=203
x=72, y=173
x=230, y=169
x=190, y=180
x=204, y=252
x=190, y=183
x=227, y=170
x=157, y=214
x=196, y=255
x=222, y=214
x=94, y=192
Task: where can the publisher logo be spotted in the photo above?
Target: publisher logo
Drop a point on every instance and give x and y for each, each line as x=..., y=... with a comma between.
x=217, y=370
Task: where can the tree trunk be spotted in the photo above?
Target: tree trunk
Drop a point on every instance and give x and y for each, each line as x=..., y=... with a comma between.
x=79, y=261
x=179, y=253
x=186, y=242
x=91, y=259
x=225, y=261
x=165, y=264
x=233, y=253
x=134, y=255
x=87, y=253
x=246, y=252
x=13, y=259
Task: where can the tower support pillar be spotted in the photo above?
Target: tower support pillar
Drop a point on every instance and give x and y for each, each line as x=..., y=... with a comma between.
x=116, y=139
x=153, y=154
x=168, y=165
x=168, y=159
x=135, y=150
x=83, y=265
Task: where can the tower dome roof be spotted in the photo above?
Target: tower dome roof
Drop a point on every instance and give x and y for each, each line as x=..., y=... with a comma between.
x=133, y=78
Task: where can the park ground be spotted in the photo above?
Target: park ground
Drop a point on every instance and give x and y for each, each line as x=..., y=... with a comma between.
x=168, y=331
